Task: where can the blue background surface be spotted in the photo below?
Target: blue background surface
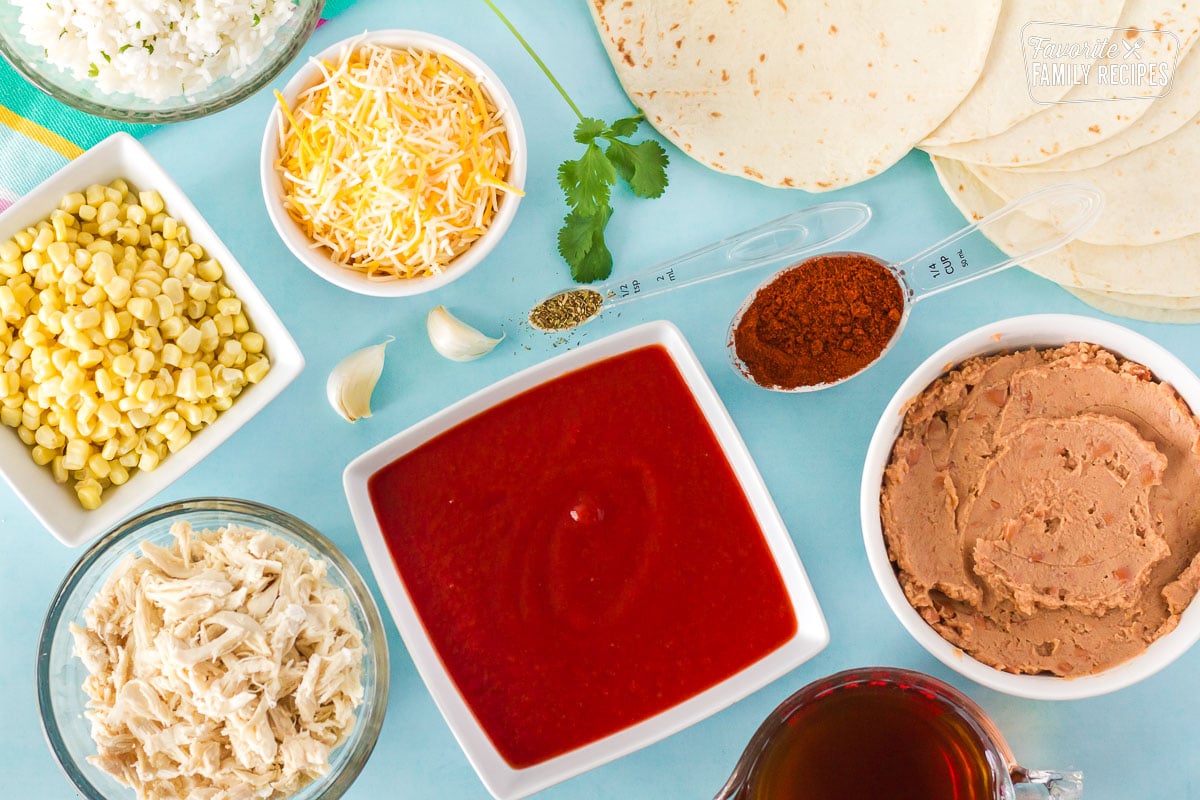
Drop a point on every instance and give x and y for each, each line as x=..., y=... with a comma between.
x=1136, y=743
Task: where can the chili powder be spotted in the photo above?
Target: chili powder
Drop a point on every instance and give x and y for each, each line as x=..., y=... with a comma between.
x=819, y=321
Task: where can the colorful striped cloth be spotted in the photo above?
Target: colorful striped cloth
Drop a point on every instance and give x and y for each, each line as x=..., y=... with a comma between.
x=38, y=134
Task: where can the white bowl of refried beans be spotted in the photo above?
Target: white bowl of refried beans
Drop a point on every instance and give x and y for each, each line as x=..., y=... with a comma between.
x=1031, y=506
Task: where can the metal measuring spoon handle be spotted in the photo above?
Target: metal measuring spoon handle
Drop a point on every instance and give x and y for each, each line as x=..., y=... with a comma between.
x=1026, y=228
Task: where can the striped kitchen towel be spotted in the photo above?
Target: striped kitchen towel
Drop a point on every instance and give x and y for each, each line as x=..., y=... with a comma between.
x=38, y=134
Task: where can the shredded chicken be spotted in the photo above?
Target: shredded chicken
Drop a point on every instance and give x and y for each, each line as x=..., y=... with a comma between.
x=225, y=667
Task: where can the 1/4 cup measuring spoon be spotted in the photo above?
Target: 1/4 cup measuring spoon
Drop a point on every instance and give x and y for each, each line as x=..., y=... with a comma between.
x=788, y=237
x=780, y=344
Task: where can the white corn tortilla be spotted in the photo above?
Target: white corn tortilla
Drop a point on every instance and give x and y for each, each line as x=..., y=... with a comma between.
x=1165, y=116
x=1001, y=97
x=788, y=93
x=1069, y=126
x=1170, y=269
x=1151, y=195
x=1110, y=304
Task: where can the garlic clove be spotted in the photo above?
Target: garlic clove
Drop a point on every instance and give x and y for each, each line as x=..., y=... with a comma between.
x=455, y=339
x=353, y=380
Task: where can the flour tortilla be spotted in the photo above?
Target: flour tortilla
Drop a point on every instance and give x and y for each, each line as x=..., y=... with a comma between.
x=1151, y=195
x=1170, y=269
x=1165, y=116
x=1120, y=308
x=1001, y=97
x=787, y=93
x=1071, y=125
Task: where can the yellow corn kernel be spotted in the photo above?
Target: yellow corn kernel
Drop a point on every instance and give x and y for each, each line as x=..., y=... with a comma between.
x=43, y=240
x=148, y=461
x=170, y=228
x=58, y=470
x=141, y=308
x=189, y=340
x=94, y=296
x=42, y=455
x=9, y=251
x=107, y=211
x=10, y=416
x=172, y=327
x=99, y=465
x=59, y=254
x=151, y=201
x=118, y=475
x=73, y=380
x=89, y=493
x=145, y=391
x=123, y=365
x=76, y=454
x=48, y=437
x=256, y=370
x=171, y=354
x=10, y=309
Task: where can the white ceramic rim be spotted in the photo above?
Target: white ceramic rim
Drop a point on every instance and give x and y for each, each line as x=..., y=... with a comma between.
x=312, y=257
x=1041, y=330
x=504, y=782
x=55, y=505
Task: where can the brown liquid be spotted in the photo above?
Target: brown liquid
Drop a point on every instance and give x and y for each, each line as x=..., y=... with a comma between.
x=875, y=741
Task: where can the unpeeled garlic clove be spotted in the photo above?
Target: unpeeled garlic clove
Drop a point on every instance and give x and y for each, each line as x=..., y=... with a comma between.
x=455, y=339
x=351, y=382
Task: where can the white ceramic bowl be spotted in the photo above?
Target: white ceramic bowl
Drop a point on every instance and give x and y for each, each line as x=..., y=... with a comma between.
x=55, y=505
x=1045, y=330
x=502, y=780
x=315, y=258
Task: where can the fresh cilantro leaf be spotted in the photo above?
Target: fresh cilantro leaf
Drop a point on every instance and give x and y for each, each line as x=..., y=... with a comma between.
x=257, y=19
x=624, y=128
x=581, y=244
x=587, y=181
x=643, y=165
x=93, y=70
x=107, y=57
x=123, y=48
x=577, y=234
x=588, y=129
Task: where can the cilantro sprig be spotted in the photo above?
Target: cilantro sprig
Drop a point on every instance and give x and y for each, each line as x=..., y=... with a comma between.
x=587, y=181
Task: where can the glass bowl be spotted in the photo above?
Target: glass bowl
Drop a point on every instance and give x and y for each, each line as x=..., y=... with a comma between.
x=62, y=701
x=82, y=93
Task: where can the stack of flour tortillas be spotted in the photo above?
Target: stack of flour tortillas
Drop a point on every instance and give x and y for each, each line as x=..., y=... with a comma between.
x=821, y=95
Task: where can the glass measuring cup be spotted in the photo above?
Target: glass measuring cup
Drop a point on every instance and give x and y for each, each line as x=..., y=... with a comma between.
x=788, y=237
x=843, y=735
x=1019, y=230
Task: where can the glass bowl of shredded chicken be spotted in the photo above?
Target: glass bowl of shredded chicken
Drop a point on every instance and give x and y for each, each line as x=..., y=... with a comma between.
x=153, y=62
x=217, y=649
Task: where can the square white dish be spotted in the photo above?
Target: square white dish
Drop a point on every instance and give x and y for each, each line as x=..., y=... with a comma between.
x=500, y=778
x=55, y=505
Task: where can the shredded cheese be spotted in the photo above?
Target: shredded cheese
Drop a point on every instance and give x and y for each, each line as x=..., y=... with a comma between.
x=395, y=162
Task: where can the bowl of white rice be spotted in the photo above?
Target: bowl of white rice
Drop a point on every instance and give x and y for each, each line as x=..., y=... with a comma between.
x=153, y=60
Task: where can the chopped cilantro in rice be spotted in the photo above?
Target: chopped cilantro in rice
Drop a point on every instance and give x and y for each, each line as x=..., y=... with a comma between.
x=155, y=49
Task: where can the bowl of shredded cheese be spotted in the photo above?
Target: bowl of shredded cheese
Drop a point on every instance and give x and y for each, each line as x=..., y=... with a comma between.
x=212, y=648
x=393, y=163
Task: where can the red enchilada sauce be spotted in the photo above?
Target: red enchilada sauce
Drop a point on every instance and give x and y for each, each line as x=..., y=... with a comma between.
x=582, y=556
